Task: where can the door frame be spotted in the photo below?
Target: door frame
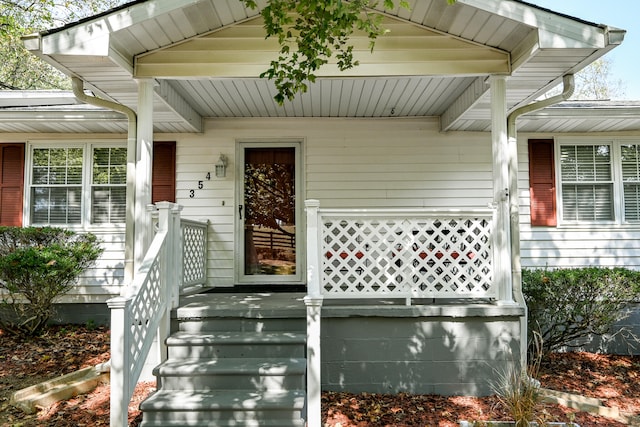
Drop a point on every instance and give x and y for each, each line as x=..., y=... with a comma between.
x=299, y=277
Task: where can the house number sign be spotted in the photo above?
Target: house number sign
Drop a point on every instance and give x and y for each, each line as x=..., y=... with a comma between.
x=192, y=192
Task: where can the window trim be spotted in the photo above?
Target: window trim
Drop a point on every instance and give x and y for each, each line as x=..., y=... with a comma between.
x=616, y=175
x=87, y=160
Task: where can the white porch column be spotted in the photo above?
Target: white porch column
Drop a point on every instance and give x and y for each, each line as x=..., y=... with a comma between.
x=144, y=153
x=499, y=148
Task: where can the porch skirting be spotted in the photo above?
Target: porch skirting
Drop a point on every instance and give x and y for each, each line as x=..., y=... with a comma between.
x=452, y=349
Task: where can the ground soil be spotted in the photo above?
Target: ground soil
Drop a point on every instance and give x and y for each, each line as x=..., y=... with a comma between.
x=64, y=349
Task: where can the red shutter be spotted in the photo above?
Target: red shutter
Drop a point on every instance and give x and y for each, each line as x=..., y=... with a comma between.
x=542, y=182
x=163, y=181
x=11, y=184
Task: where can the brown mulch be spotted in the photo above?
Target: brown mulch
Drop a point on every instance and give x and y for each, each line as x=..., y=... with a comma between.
x=64, y=349
x=61, y=350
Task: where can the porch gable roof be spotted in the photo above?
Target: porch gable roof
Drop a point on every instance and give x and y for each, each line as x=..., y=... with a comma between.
x=160, y=39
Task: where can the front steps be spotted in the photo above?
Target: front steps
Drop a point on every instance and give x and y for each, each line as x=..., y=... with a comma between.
x=242, y=366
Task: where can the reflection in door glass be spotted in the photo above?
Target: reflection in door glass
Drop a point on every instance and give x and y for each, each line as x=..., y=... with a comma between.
x=269, y=201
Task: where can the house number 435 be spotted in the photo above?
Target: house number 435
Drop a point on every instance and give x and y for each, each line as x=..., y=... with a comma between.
x=192, y=193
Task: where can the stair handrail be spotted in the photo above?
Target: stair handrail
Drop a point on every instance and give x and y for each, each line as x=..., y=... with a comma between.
x=143, y=308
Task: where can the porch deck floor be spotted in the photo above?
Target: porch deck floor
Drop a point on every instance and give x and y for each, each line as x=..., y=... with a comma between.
x=254, y=304
x=291, y=305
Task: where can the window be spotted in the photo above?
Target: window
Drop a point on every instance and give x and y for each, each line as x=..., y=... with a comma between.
x=56, y=190
x=109, y=185
x=598, y=181
x=630, y=160
x=78, y=185
x=587, y=182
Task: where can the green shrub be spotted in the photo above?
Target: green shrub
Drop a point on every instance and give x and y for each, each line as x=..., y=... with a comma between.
x=38, y=265
x=566, y=305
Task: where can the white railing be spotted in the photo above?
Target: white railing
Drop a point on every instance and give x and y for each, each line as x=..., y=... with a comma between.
x=193, y=246
x=144, y=309
x=194, y=252
x=391, y=253
x=405, y=253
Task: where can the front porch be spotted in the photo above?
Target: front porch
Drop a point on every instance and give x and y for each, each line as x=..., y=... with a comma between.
x=397, y=300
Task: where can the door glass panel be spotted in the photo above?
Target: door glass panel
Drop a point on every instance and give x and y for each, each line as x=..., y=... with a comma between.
x=269, y=211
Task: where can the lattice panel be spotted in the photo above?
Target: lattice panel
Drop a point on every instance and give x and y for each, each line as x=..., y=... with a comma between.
x=145, y=310
x=415, y=257
x=194, y=240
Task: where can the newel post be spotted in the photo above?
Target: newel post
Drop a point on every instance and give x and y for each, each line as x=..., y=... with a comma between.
x=165, y=225
x=313, y=247
x=177, y=254
x=120, y=393
x=313, y=302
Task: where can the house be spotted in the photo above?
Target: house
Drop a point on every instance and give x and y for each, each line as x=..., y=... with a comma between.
x=401, y=197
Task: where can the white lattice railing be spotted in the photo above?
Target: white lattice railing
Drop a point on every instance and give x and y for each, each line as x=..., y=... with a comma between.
x=192, y=246
x=144, y=308
x=405, y=253
x=385, y=253
x=194, y=252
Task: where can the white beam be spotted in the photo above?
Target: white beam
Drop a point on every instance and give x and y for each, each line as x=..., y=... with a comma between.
x=463, y=103
x=179, y=105
x=71, y=116
x=525, y=50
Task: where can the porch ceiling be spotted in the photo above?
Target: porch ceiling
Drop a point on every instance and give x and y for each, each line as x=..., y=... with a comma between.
x=161, y=38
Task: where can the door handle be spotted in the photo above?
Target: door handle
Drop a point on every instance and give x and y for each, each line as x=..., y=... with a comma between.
x=240, y=211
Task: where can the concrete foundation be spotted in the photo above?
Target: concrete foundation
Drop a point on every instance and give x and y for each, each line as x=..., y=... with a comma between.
x=435, y=349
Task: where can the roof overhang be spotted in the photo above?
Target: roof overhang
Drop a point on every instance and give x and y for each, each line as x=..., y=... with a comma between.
x=206, y=55
x=31, y=112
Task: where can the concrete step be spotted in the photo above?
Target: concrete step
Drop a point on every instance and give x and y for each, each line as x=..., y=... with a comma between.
x=238, y=323
x=234, y=360
x=234, y=344
x=232, y=374
x=223, y=408
x=256, y=305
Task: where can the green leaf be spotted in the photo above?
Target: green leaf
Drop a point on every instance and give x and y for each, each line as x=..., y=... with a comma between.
x=319, y=33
